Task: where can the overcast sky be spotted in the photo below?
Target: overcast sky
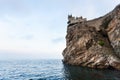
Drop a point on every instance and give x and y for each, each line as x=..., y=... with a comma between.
x=36, y=29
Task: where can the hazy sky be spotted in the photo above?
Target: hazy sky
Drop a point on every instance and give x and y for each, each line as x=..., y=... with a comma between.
x=36, y=29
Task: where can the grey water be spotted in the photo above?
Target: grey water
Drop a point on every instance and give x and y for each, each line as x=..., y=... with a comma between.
x=52, y=70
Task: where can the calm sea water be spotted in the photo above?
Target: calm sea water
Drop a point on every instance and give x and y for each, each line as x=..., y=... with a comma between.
x=51, y=70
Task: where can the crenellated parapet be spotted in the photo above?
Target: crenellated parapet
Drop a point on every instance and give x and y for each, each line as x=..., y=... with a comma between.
x=72, y=20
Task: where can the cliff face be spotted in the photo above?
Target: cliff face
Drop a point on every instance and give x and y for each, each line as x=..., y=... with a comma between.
x=94, y=43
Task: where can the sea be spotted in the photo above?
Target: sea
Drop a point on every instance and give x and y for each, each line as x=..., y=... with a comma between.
x=52, y=69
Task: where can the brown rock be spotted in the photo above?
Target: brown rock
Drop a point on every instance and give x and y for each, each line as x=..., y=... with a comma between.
x=94, y=43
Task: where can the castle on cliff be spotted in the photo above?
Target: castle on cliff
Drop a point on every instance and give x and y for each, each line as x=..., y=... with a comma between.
x=72, y=20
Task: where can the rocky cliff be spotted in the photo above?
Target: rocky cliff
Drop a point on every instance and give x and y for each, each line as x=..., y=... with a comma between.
x=94, y=43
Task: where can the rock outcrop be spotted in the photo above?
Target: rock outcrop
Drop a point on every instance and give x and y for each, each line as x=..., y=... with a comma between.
x=94, y=43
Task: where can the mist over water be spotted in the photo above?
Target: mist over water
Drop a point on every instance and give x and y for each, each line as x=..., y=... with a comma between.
x=52, y=70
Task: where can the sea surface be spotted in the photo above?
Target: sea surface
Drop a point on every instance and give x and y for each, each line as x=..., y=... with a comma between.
x=52, y=70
